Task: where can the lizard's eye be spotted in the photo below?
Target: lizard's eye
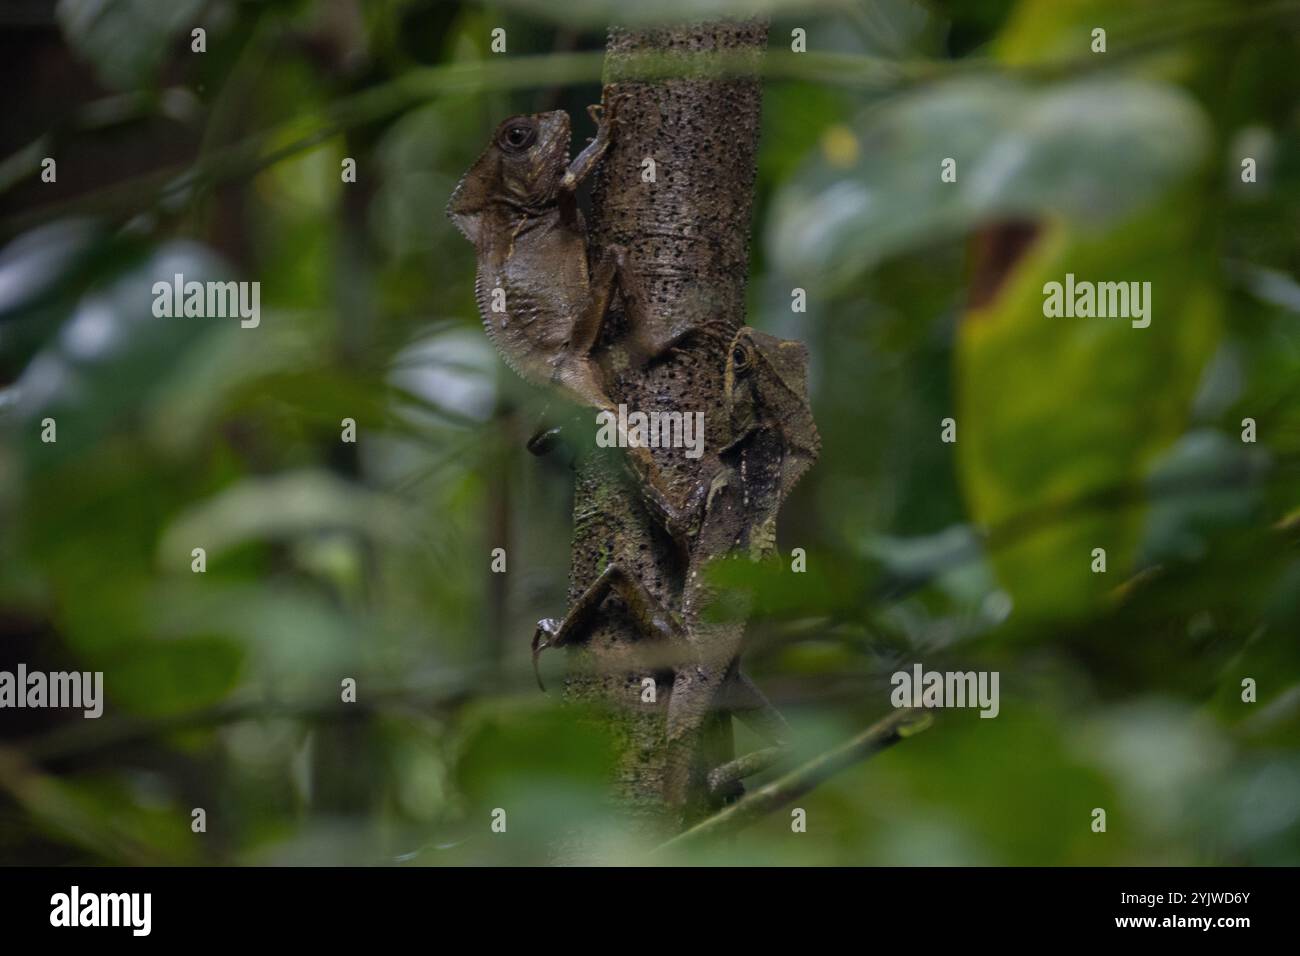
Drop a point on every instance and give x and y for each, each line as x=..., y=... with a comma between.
x=517, y=136
x=740, y=358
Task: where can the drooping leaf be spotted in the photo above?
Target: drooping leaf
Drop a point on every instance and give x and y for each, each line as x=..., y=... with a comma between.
x=112, y=352
x=280, y=507
x=125, y=40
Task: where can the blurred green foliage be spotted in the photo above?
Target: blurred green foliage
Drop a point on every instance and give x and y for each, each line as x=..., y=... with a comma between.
x=328, y=560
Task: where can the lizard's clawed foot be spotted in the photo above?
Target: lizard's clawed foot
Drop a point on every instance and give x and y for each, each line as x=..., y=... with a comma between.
x=615, y=111
x=606, y=115
x=603, y=118
x=548, y=628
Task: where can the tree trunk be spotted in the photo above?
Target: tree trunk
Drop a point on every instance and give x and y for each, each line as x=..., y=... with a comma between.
x=686, y=231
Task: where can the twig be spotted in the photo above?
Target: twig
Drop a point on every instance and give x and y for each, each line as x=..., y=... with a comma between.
x=1115, y=498
x=801, y=780
x=95, y=737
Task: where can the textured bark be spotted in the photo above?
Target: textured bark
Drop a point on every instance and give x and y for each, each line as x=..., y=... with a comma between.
x=687, y=237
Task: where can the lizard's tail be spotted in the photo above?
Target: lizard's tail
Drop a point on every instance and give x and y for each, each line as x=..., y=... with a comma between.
x=677, y=774
x=694, y=688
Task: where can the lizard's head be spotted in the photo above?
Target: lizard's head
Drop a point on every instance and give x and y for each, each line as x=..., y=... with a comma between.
x=533, y=152
x=766, y=387
x=521, y=167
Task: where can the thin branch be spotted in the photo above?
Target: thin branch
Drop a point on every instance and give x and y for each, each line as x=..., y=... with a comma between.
x=97, y=737
x=803, y=779
x=1115, y=498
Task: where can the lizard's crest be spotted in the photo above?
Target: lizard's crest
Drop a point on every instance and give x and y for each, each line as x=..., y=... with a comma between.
x=519, y=172
x=766, y=387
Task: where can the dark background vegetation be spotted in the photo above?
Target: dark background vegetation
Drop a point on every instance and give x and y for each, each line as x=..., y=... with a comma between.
x=329, y=560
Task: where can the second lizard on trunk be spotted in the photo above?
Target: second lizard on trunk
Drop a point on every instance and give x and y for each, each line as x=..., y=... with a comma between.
x=772, y=441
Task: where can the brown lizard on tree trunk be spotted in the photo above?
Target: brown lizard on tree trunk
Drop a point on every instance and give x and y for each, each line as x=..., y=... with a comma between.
x=542, y=299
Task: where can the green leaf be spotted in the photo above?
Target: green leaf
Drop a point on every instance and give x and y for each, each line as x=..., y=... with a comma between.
x=1056, y=414
x=110, y=354
x=281, y=507
x=125, y=40
x=1062, y=30
x=1093, y=151
x=158, y=678
x=119, y=818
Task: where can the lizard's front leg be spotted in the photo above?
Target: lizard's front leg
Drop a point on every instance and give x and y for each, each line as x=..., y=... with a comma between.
x=647, y=613
x=579, y=375
x=593, y=152
x=584, y=163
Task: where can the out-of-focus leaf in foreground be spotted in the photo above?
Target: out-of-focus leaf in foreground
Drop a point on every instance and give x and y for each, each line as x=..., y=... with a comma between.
x=281, y=507
x=1093, y=151
x=125, y=40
